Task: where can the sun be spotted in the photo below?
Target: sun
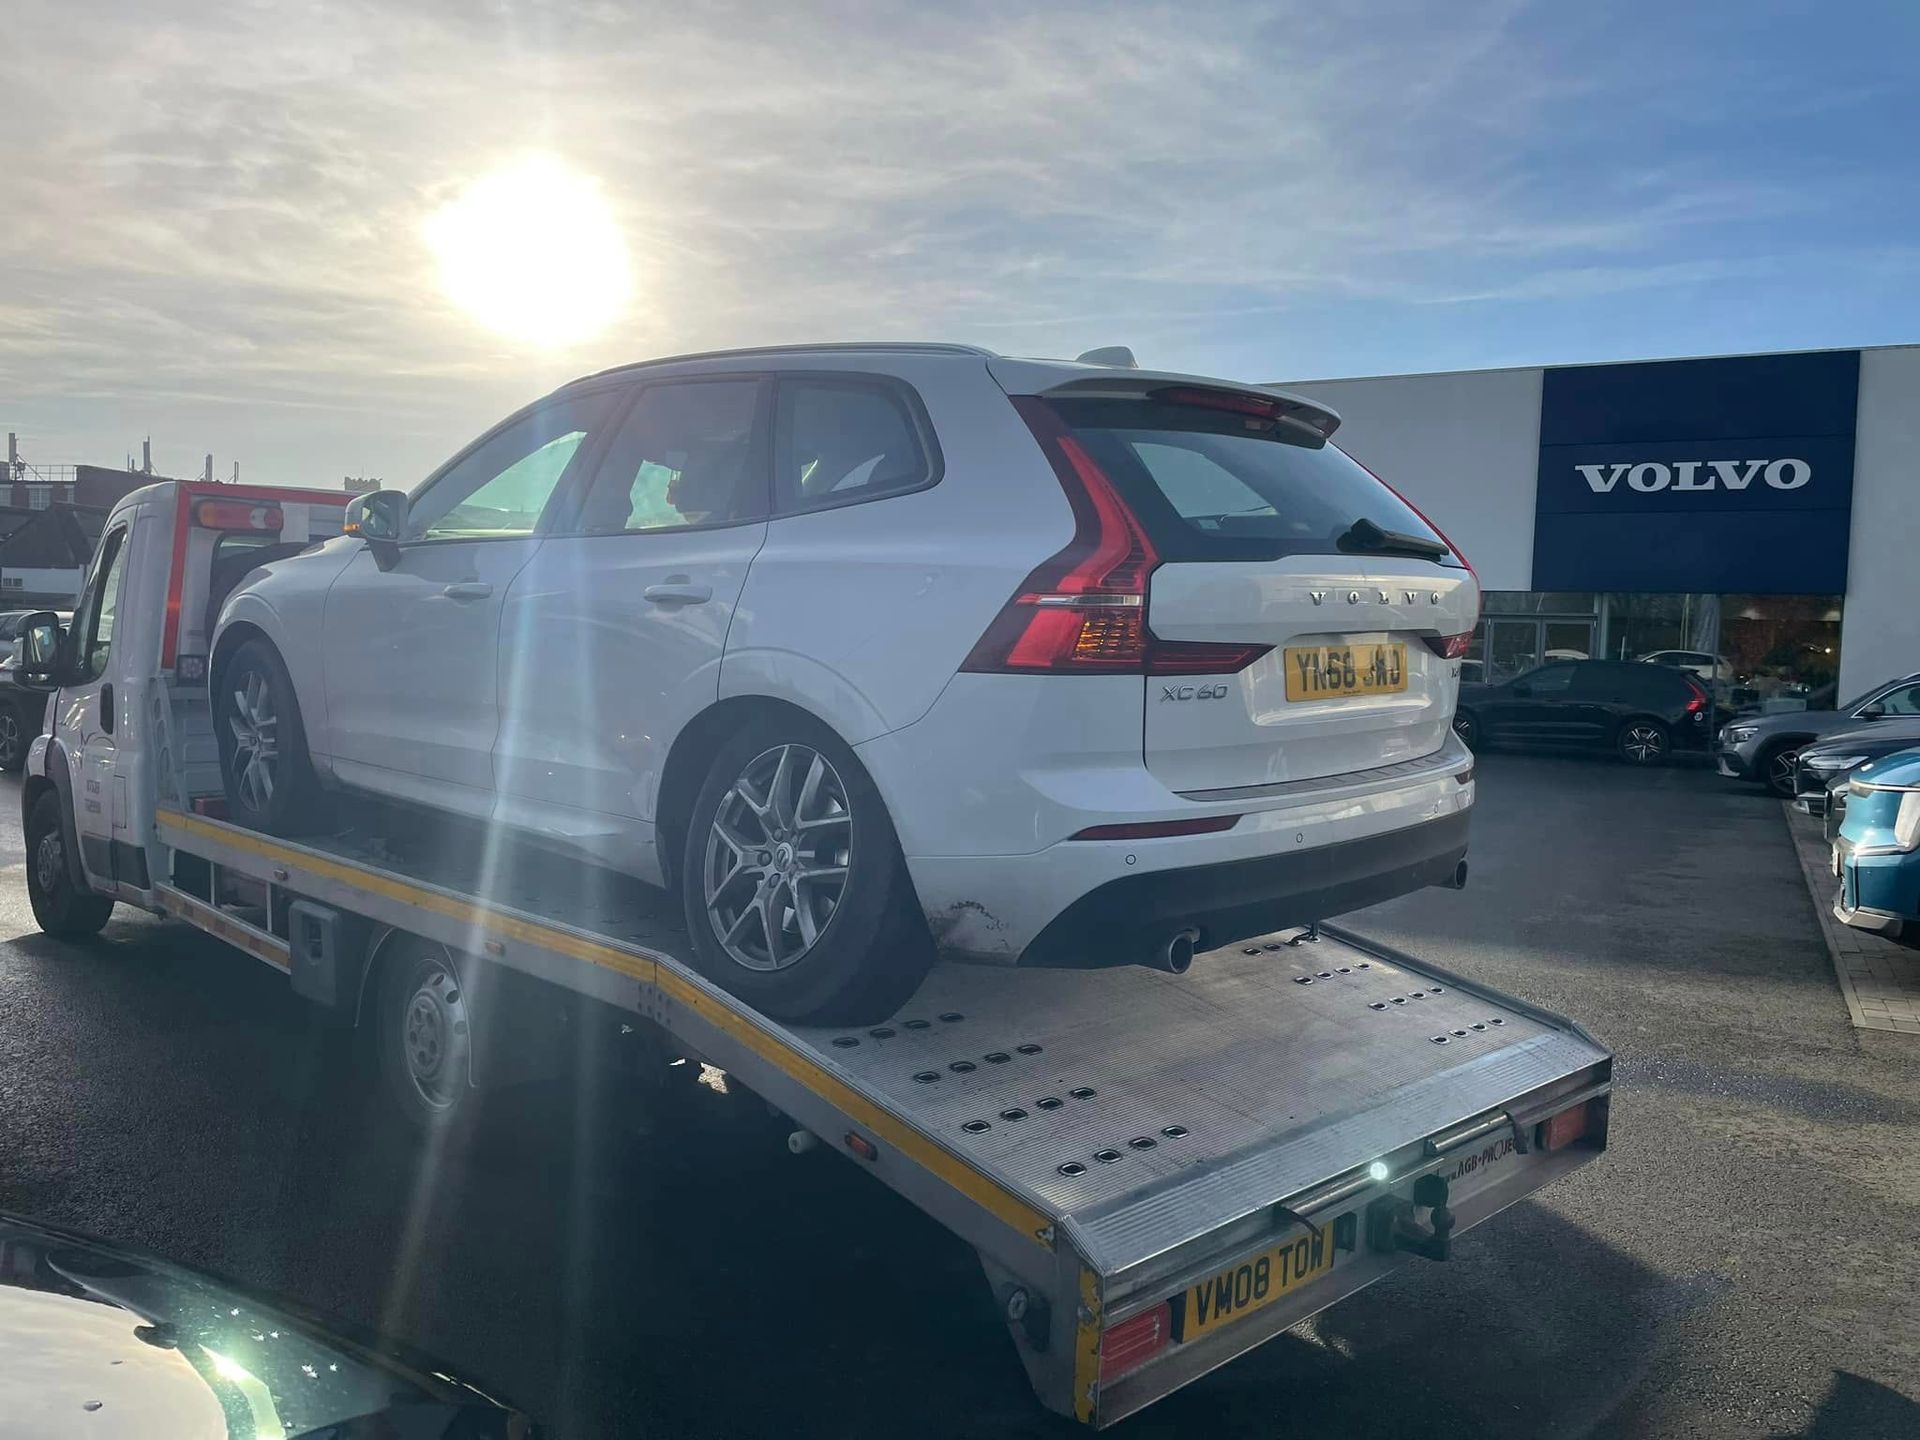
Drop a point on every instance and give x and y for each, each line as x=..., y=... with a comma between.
x=533, y=252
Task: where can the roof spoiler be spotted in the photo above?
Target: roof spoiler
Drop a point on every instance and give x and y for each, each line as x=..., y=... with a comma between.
x=1076, y=379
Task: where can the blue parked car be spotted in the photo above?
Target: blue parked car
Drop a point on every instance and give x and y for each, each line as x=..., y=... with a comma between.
x=1877, y=854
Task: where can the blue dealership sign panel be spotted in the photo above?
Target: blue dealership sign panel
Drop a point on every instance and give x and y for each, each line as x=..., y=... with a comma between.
x=1713, y=476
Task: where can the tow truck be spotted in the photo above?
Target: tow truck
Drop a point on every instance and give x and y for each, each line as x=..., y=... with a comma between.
x=1158, y=1171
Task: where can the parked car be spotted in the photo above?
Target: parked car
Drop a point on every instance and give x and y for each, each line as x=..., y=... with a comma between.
x=23, y=712
x=863, y=647
x=1762, y=748
x=104, y=1341
x=1709, y=667
x=1643, y=713
x=1836, y=756
x=1877, y=854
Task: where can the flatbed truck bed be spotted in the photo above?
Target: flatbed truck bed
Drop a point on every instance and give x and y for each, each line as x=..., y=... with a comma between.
x=1158, y=1171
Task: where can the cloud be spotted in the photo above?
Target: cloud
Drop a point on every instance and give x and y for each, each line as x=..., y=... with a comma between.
x=214, y=210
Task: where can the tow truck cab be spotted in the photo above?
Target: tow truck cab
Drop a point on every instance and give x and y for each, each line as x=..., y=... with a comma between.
x=187, y=545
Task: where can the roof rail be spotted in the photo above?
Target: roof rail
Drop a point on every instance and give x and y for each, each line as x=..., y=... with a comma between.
x=911, y=347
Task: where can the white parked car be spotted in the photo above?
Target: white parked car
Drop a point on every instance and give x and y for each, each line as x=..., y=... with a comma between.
x=877, y=652
x=1707, y=666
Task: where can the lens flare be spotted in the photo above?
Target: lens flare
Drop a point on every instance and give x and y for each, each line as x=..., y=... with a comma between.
x=534, y=253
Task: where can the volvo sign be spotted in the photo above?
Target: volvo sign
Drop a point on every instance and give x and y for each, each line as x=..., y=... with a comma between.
x=1681, y=476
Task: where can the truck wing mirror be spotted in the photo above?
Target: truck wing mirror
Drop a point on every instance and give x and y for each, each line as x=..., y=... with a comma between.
x=41, y=635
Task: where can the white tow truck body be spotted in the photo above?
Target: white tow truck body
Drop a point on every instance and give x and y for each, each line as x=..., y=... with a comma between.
x=1158, y=1171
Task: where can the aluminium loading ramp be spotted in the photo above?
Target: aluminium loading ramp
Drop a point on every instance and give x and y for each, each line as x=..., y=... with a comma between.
x=1103, y=1137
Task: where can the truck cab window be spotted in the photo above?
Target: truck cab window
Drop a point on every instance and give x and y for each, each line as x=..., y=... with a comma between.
x=94, y=621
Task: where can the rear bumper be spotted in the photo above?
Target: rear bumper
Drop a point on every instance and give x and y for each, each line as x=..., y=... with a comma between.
x=1128, y=919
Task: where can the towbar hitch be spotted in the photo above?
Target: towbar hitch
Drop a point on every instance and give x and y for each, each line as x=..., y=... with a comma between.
x=1393, y=1223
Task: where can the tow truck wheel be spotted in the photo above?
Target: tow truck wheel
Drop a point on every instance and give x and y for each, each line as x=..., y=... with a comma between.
x=61, y=909
x=263, y=746
x=423, y=1035
x=797, y=897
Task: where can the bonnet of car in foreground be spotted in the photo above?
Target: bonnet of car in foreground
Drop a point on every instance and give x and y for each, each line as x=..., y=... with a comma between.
x=102, y=1341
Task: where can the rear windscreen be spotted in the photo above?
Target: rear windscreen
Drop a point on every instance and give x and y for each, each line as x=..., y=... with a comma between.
x=1213, y=485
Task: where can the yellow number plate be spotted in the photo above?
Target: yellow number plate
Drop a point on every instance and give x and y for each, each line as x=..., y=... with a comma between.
x=1239, y=1290
x=1343, y=672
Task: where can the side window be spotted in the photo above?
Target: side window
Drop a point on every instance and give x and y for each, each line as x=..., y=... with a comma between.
x=93, y=623
x=1549, y=681
x=1902, y=700
x=836, y=441
x=501, y=487
x=688, y=454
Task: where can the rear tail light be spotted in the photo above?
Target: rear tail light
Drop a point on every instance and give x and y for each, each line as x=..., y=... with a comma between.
x=1234, y=402
x=1155, y=829
x=1084, y=611
x=1566, y=1127
x=1451, y=647
x=1131, y=1343
x=1698, y=700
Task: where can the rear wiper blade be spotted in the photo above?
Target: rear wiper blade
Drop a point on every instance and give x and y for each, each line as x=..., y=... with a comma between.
x=1366, y=536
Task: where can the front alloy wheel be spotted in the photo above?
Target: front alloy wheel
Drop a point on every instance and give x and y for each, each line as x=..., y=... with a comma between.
x=13, y=739
x=256, y=739
x=777, y=858
x=1780, y=772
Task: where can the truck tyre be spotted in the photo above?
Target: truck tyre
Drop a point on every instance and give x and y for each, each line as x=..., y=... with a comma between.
x=423, y=1036
x=263, y=746
x=62, y=909
x=15, y=737
x=797, y=897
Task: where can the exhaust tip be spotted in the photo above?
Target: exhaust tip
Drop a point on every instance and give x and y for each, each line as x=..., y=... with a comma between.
x=1458, y=880
x=1176, y=955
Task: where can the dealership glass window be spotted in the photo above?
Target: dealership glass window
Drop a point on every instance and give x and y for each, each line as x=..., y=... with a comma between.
x=1521, y=629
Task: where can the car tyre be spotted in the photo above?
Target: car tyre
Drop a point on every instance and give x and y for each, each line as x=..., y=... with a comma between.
x=264, y=763
x=1776, y=767
x=797, y=897
x=61, y=908
x=1467, y=726
x=1643, y=741
x=15, y=738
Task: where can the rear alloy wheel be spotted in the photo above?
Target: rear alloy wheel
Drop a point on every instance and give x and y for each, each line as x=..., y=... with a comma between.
x=60, y=907
x=1644, y=742
x=13, y=739
x=1778, y=771
x=1467, y=727
x=796, y=894
x=263, y=746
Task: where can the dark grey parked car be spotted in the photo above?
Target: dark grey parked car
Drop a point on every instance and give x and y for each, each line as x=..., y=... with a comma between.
x=1764, y=748
x=1835, y=756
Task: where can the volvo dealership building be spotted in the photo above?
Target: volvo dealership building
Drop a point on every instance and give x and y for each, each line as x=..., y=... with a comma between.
x=1761, y=512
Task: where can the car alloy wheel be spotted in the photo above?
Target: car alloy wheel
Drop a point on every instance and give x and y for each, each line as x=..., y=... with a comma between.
x=11, y=738
x=1780, y=771
x=1463, y=726
x=256, y=743
x=777, y=857
x=1643, y=743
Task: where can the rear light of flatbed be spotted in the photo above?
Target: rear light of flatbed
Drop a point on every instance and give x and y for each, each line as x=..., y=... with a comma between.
x=1132, y=1343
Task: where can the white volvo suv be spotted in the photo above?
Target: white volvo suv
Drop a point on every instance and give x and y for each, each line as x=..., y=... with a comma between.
x=878, y=652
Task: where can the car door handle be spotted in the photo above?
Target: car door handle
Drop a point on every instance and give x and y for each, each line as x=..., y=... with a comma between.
x=678, y=594
x=468, y=590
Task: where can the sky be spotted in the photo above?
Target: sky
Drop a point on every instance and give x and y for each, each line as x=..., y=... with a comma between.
x=226, y=224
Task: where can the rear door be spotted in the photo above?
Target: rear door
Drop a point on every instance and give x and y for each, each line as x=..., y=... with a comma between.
x=1268, y=535
x=612, y=637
